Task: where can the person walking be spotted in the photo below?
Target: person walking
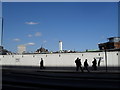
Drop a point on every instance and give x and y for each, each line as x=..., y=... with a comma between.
x=78, y=64
x=86, y=65
x=94, y=64
x=41, y=64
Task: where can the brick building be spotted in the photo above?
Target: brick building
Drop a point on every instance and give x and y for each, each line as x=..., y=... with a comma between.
x=113, y=43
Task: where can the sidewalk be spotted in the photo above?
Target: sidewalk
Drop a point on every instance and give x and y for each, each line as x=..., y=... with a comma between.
x=52, y=69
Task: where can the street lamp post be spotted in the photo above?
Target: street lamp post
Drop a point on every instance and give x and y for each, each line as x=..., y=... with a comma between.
x=1, y=32
x=105, y=57
x=1, y=36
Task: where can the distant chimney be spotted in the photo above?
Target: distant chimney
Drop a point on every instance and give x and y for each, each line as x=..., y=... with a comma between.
x=60, y=46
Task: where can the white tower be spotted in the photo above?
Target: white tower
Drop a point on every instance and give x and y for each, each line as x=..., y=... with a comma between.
x=60, y=46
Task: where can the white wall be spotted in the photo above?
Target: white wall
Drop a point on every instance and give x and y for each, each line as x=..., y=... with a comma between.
x=59, y=60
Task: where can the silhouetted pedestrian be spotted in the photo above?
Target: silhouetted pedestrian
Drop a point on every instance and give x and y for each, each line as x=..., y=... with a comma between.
x=78, y=64
x=94, y=64
x=41, y=64
x=86, y=65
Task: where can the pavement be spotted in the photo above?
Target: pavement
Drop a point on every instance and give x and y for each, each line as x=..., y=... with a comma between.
x=46, y=79
x=73, y=70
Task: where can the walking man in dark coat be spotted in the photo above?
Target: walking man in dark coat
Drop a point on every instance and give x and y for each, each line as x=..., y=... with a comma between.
x=86, y=65
x=78, y=64
x=94, y=64
x=41, y=64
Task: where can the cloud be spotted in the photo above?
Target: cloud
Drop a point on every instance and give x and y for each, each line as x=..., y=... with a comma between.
x=37, y=34
x=29, y=35
x=44, y=41
x=30, y=44
x=16, y=39
x=31, y=23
